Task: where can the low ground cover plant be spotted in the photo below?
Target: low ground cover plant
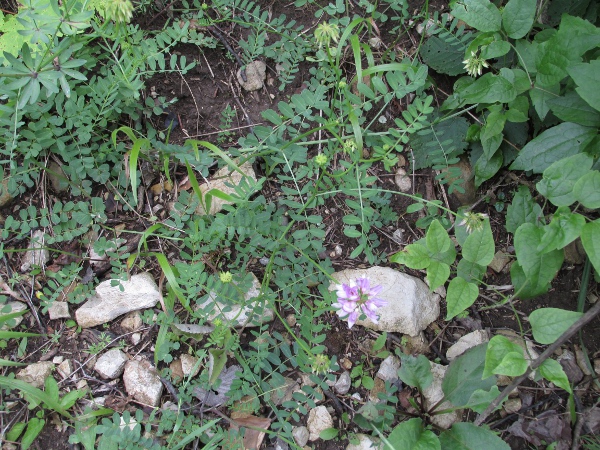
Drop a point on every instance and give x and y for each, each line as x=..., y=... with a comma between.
x=79, y=122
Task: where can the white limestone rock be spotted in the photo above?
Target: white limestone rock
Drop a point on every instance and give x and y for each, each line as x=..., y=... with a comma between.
x=11, y=308
x=111, y=364
x=364, y=443
x=37, y=255
x=343, y=383
x=300, y=435
x=109, y=302
x=410, y=308
x=466, y=342
x=319, y=419
x=35, y=374
x=59, y=310
x=434, y=394
x=142, y=382
x=256, y=72
x=388, y=370
x=131, y=322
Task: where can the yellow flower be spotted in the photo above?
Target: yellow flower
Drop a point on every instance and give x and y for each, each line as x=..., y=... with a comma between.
x=225, y=277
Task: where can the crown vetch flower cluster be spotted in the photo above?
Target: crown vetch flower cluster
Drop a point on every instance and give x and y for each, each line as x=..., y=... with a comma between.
x=358, y=297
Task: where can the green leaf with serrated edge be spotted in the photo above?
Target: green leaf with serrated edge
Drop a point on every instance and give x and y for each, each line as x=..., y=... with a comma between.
x=541, y=98
x=415, y=371
x=411, y=435
x=552, y=371
x=479, y=245
x=572, y=108
x=415, y=256
x=517, y=17
x=437, y=238
x=481, y=399
x=489, y=88
x=539, y=267
x=470, y=271
x=548, y=324
x=437, y=274
x=522, y=210
x=479, y=14
x=466, y=436
x=465, y=375
x=34, y=428
x=499, y=348
x=587, y=190
x=552, y=145
x=558, y=180
x=564, y=228
x=460, y=296
x=590, y=238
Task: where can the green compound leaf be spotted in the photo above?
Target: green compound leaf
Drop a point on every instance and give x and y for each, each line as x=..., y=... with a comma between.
x=479, y=14
x=466, y=436
x=461, y=294
x=522, y=210
x=558, y=179
x=465, y=376
x=504, y=357
x=416, y=371
x=587, y=190
x=552, y=371
x=517, y=17
x=479, y=245
x=548, y=324
x=590, y=238
x=411, y=435
x=552, y=145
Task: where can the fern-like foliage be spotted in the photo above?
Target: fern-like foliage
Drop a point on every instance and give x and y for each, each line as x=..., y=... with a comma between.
x=445, y=49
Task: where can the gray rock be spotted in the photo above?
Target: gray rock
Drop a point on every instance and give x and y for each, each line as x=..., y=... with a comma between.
x=388, y=370
x=37, y=255
x=300, y=435
x=241, y=315
x=11, y=308
x=410, y=308
x=256, y=72
x=220, y=180
x=433, y=394
x=111, y=364
x=110, y=302
x=500, y=260
x=143, y=382
x=364, y=443
x=343, y=383
x=65, y=369
x=189, y=365
x=59, y=310
x=403, y=180
x=319, y=419
x=466, y=342
x=131, y=322
x=36, y=373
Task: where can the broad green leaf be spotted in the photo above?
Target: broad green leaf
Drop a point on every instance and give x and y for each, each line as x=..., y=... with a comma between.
x=470, y=271
x=15, y=431
x=437, y=274
x=587, y=190
x=479, y=14
x=34, y=428
x=437, y=238
x=522, y=210
x=217, y=358
x=486, y=168
x=51, y=388
x=414, y=256
x=466, y=436
x=558, y=180
x=552, y=371
x=460, y=296
x=328, y=434
x=539, y=267
x=572, y=108
x=590, y=238
x=541, y=98
x=552, y=145
x=411, y=435
x=578, y=35
x=415, y=371
x=465, y=376
x=517, y=17
x=479, y=245
x=504, y=357
x=564, y=228
x=548, y=324
x=481, y=399
x=495, y=49
x=551, y=60
x=526, y=287
x=489, y=88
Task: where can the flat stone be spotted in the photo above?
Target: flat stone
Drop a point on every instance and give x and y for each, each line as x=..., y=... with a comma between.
x=246, y=314
x=388, y=370
x=5, y=197
x=143, y=382
x=111, y=364
x=131, y=322
x=364, y=443
x=410, y=308
x=466, y=342
x=37, y=255
x=109, y=302
x=319, y=419
x=569, y=364
x=433, y=394
x=512, y=405
x=300, y=435
x=415, y=345
x=499, y=261
x=343, y=383
x=189, y=365
x=36, y=373
x=256, y=72
x=220, y=180
x=59, y=310
x=65, y=369
x=403, y=180
x=11, y=308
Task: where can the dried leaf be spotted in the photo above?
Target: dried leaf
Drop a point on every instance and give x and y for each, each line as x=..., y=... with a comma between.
x=212, y=398
x=252, y=437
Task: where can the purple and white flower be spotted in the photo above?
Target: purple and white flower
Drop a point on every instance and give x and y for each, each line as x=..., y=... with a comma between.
x=358, y=297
